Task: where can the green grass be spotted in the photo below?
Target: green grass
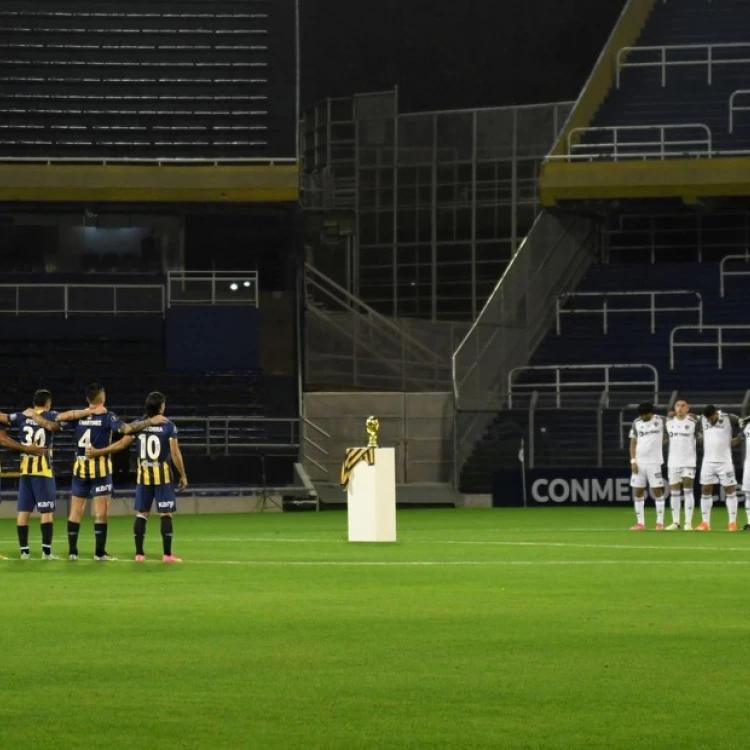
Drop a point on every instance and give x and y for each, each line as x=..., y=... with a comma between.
x=551, y=628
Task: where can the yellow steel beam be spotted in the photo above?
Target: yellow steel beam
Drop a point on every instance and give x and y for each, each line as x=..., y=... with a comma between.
x=689, y=179
x=123, y=184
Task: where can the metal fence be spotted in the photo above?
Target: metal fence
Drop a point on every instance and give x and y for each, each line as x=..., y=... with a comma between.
x=519, y=313
x=212, y=288
x=81, y=299
x=349, y=343
x=440, y=200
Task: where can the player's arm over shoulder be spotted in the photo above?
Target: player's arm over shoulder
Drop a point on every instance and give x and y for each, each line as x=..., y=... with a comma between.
x=47, y=420
x=133, y=427
x=116, y=447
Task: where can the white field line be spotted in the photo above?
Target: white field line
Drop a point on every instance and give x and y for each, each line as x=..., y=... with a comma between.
x=405, y=563
x=341, y=540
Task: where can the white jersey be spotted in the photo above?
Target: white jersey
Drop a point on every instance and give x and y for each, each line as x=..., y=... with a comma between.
x=745, y=435
x=717, y=439
x=650, y=440
x=681, y=442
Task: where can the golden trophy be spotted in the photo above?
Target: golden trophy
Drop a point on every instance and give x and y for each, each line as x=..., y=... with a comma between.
x=372, y=425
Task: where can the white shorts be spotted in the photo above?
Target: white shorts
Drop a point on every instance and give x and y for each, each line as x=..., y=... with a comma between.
x=746, y=480
x=718, y=473
x=677, y=473
x=648, y=475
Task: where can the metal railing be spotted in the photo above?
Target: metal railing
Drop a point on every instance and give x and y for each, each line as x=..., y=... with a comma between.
x=235, y=435
x=212, y=288
x=214, y=436
x=520, y=310
x=723, y=273
x=309, y=444
x=618, y=149
x=558, y=386
x=709, y=58
x=551, y=261
x=736, y=108
x=719, y=344
x=606, y=309
x=647, y=155
x=346, y=338
x=159, y=161
x=81, y=299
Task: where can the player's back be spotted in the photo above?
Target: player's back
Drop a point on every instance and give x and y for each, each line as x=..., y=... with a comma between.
x=32, y=433
x=154, y=454
x=95, y=431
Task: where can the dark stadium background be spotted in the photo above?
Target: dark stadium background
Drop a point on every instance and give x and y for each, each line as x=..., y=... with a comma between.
x=531, y=51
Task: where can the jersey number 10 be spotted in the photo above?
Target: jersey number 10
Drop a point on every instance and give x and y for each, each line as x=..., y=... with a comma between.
x=150, y=447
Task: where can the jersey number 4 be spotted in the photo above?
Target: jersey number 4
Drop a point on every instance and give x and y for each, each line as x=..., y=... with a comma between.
x=150, y=447
x=85, y=440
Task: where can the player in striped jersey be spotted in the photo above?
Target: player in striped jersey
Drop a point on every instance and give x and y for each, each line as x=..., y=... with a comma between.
x=158, y=449
x=36, y=487
x=12, y=445
x=92, y=477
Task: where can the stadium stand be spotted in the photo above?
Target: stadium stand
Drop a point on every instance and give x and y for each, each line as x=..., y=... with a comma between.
x=153, y=80
x=138, y=141
x=685, y=68
x=686, y=360
x=654, y=157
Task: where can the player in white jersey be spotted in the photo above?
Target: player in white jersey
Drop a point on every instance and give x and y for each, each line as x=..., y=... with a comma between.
x=681, y=429
x=745, y=436
x=647, y=438
x=718, y=430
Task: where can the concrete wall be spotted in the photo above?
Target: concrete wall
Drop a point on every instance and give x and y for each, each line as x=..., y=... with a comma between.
x=418, y=425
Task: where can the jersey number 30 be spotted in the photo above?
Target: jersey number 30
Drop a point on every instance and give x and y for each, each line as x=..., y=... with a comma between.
x=150, y=447
x=34, y=436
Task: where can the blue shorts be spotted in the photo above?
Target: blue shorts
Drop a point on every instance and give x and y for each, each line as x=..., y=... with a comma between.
x=36, y=492
x=145, y=494
x=91, y=487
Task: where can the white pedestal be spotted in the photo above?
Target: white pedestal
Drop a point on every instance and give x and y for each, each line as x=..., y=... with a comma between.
x=371, y=499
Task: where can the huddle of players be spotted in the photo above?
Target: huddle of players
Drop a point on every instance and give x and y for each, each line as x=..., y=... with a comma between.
x=94, y=429
x=718, y=432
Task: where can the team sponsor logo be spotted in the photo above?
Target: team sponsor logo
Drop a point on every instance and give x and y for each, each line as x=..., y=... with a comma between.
x=103, y=488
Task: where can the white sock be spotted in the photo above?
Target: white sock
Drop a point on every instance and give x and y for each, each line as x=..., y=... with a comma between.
x=689, y=507
x=747, y=505
x=675, y=501
x=660, y=502
x=732, y=503
x=707, y=502
x=640, y=513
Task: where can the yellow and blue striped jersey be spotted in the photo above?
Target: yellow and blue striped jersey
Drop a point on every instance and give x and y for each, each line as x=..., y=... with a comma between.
x=95, y=431
x=154, y=454
x=92, y=468
x=34, y=434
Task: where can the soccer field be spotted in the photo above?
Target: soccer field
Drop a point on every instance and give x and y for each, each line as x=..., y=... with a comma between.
x=481, y=628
